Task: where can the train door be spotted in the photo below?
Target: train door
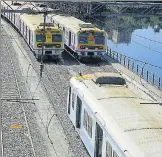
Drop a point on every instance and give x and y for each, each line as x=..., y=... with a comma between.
x=26, y=32
x=78, y=112
x=31, y=39
x=29, y=36
x=14, y=19
x=20, y=25
x=23, y=28
x=4, y=13
x=98, y=140
x=69, y=100
x=69, y=38
x=10, y=17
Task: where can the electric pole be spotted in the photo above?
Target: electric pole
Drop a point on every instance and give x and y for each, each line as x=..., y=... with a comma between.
x=1, y=142
x=44, y=24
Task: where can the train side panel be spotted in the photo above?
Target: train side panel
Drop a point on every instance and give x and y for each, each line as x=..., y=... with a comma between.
x=76, y=110
x=89, y=124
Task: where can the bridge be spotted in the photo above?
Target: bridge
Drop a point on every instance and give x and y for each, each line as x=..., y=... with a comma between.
x=99, y=8
x=99, y=1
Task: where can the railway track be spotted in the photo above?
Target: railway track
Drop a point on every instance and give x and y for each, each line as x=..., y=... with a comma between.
x=16, y=137
x=90, y=67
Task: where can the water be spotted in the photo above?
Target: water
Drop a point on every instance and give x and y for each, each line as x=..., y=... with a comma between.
x=136, y=37
x=143, y=47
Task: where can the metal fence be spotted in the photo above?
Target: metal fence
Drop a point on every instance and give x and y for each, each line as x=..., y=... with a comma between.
x=135, y=67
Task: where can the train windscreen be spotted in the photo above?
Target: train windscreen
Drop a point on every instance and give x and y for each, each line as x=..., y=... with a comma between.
x=39, y=38
x=99, y=38
x=83, y=37
x=56, y=37
x=95, y=37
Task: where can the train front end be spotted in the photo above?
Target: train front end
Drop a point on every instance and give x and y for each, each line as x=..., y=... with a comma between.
x=53, y=41
x=91, y=44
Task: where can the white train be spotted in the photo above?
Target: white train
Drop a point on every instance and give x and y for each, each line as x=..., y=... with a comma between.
x=113, y=121
x=31, y=28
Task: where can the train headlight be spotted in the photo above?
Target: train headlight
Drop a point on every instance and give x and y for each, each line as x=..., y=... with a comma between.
x=39, y=45
x=58, y=46
x=82, y=47
x=100, y=47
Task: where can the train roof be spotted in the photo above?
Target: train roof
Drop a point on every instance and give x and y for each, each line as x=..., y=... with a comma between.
x=131, y=118
x=73, y=23
x=36, y=21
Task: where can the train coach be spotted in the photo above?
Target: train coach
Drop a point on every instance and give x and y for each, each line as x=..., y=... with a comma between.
x=31, y=28
x=83, y=39
x=113, y=121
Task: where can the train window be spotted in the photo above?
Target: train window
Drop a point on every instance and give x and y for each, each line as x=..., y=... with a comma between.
x=98, y=140
x=26, y=32
x=115, y=154
x=74, y=39
x=85, y=120
x=90, y=126
x=66, y=34
x=23, y=27
x=39, y=38
x=56, y=38
x=108, y=150
x=73, y=100
x=31, y=36
x=87, y=123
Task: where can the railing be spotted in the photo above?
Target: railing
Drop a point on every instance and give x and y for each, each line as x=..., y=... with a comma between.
x=135, y=67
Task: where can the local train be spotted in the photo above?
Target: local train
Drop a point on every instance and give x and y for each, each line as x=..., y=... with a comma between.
x=111, y=119
x=83, y=39
x=31, y=28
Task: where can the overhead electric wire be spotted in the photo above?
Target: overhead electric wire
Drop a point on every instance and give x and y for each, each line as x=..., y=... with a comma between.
x=146, y=47
x=147, y=38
